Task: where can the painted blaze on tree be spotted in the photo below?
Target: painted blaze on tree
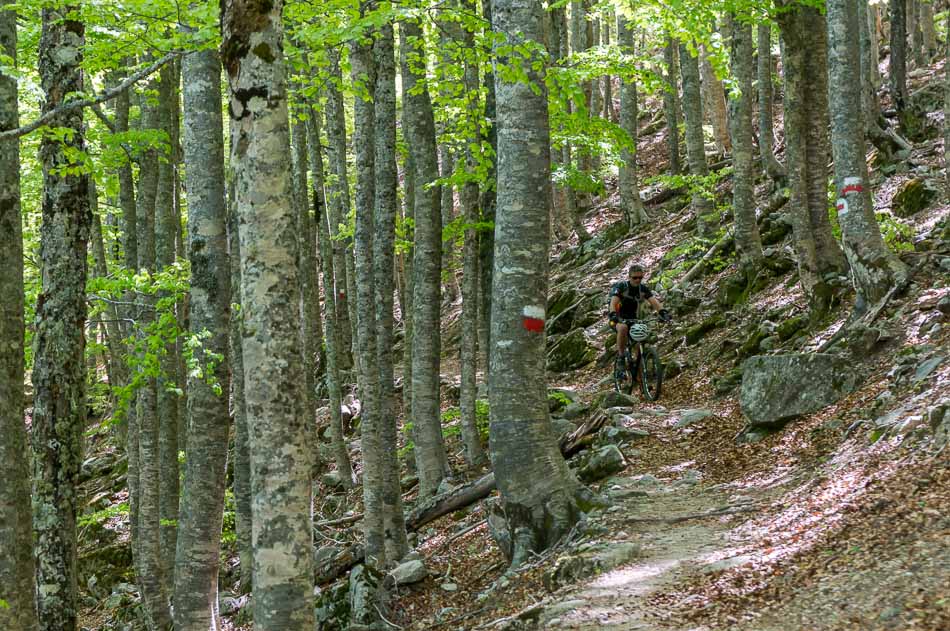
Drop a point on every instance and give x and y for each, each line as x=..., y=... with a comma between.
x=541, y=499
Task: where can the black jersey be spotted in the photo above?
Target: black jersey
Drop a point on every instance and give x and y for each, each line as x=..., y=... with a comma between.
x=631, y=297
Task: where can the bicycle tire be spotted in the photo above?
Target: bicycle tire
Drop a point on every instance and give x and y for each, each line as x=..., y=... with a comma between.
x=623, y=382
x=651, y=374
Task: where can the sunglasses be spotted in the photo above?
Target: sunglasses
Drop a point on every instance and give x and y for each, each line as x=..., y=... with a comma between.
x=636, y=277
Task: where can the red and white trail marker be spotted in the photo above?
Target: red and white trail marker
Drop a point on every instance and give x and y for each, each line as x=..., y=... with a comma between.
x=533, y=318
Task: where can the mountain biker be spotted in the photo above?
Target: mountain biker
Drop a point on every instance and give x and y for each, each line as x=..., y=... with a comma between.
x=625, y=300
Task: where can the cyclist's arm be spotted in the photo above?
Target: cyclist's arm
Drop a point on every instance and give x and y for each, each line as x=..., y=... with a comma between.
x=615, y=304
x=654, y=303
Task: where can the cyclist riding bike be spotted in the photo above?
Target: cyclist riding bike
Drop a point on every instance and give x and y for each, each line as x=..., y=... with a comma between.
x=626, y=297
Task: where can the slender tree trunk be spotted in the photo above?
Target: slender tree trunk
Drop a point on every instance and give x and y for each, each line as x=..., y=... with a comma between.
x=610, y=113
x=409, y=203
x=166, y=229
x=338, y=209
x=874, y=268
x=695, y=143
x=770, y=165
x=630, y=201
x=149, y=545
x=202, y=503
x=431, y=460
x=928, y=30
x=17, y=565
x=487, y=203
x=671, y=107
x=898, y=63
x=874, y=48
x=332, y=326
x=59, y=379
x=363, y=71
x=242, y=455
x=539, y=493
x=748, y=243
x=915, y=31
x=447, y=206
x=714, y=103
x=394, y=526
x=468, y=198
x=279, y=440
x=311, y=339
x=946, y=106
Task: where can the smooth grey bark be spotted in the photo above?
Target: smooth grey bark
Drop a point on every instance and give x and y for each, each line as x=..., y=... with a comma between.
x=429, y=449
x=332, y=326
x=874, y=268
x=806, y=156
x=946, y=107
x=59, y=379
x=898, y=62
x=270, y=292
x=197, y=556
x=630, y=202
x=447, y=207
x=149, y=543
x=539, y=493
x=166, y=229
x=409, y=204
x=695, y=143
x=915, y=31
x=671, y=106
x=563, y=201
x=714, y=103
x=311, y=338
x=242, y=456
x=17, y=565
x=928, y=30
x=748, y=242
x=363, y=72
x=770, y=164
x=610, y=112
x=580, y=41
x=337, y=210
x=487, y=202
x=468, y=200
x=384, y=242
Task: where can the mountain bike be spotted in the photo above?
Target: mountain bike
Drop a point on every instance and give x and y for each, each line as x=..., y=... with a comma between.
x=641, y=362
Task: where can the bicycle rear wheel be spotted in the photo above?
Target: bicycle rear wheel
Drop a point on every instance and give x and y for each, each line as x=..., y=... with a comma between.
x=623, y=376
x=651, y=374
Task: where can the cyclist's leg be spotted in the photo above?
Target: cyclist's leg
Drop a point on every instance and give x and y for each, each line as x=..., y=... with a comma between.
x=622, y=337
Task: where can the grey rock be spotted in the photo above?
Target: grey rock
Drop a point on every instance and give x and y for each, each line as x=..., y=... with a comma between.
x=575, y=410
x=449, y=587
x=364, y=595
x=596, y=559
x=779, y=388
x=618, y=399
x=409, y=572
x=602, y=463
x=621, y=435
x=445, y=486
x=325, y=554
x=570, y=351
x=770, y=343
x=690, y=477
x=926, y=368
x=688, y=417
x=332, y=480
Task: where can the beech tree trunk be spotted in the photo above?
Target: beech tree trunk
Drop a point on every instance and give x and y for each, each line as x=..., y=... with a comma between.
x=394, y=527
x=874, y=268
x=431, y=461
x=714, y=103
x=946, y=107
x=59, y=378
x=748, y=243
x=242, y=454
x=332, y=326
x=770, y=165
x=630, y=202
x=898, y=63
x=202, y=504
x=166, y=229
x=363, y=71
x=149, y=471
x=539, y=493
x=807, y=155
x=270, y=292
x=671, y=109
x=337, y=210
x=468, y=199
x=487, y=201
x=695, y=143
x=17, y=566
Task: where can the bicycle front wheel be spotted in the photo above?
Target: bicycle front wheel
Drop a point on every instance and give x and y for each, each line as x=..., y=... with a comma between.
x=651, y=374
x=623, y=376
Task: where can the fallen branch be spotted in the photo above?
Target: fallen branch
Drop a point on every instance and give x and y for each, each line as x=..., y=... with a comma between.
x=107, y=95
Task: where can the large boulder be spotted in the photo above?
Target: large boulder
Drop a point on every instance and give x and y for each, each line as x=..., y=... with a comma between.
x=570, y=351
x=409, y=572
x=779, y=388
x=913, y=196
